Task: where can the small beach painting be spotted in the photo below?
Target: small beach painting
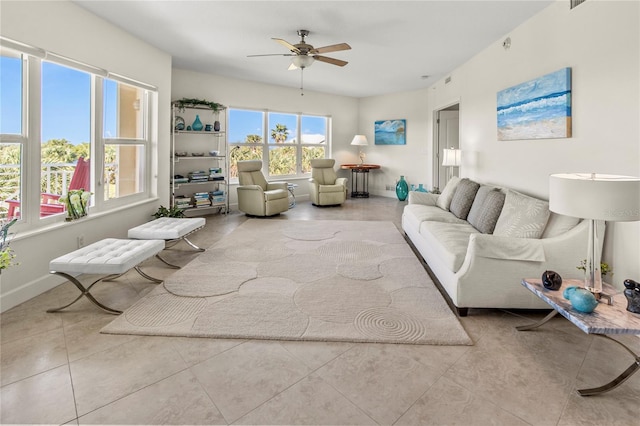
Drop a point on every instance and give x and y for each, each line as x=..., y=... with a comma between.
x=536, y=109
x=390, y=132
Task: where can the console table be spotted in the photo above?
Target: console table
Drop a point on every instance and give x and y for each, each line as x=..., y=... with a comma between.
x=605, y=319
x=362, y=171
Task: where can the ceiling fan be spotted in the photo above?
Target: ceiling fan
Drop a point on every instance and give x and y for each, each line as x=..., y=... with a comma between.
x=303, y=54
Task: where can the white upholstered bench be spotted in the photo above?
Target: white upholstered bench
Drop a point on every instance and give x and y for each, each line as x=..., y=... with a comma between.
x=170, y=229
x=108, y=258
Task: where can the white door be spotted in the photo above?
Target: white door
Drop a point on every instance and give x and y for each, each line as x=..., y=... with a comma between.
x=448, y=137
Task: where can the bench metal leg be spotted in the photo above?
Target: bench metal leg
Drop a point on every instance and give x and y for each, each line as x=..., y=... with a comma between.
x=170, y=265
x=85, y=292
x=147, y=276
x=171, y=243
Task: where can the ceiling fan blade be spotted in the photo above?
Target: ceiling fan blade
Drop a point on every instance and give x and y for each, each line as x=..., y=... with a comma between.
x=332, y=48
x=332, y=61
x=286, y=44
x=272, y=54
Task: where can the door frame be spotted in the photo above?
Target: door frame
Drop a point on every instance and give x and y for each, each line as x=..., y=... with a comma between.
x=437, y=166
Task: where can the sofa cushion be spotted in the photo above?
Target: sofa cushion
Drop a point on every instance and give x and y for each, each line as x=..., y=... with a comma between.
x=558, y=224
x=444, y=200
x=522, y=216
x=449, y=241
x=463, y=198
x=419, y=213
x=477, y=202
x=487, y=215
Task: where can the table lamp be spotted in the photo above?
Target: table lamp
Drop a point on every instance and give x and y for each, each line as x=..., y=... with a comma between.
x=596, y=197
x=360, y=140
x=451, y=158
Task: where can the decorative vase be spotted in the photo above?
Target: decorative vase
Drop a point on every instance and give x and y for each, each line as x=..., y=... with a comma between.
x=197, y=124
x=421, y=188
x=583, y=300
x=402, y=189
x=551, y=280
x=216, y=126
x=632, y=293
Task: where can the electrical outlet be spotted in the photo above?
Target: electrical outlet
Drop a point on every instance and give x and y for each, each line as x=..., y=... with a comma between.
x=389, y=187
x=80, y=241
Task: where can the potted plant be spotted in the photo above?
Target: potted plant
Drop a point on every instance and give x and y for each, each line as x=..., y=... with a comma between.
x=181, y=104
x=6, y=254
x=168, y=212
x=604, y=267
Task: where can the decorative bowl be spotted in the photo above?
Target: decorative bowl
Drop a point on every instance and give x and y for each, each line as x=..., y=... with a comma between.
x=181, y=154
x=197, y=154
x=214, y=153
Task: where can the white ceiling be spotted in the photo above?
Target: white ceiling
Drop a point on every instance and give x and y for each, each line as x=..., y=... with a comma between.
x=394, y=43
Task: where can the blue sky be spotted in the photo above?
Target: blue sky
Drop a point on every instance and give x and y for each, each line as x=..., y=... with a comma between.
x=66, y=107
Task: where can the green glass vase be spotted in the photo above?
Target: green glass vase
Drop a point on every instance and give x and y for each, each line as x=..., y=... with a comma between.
x=402, y=189
x=197, y=124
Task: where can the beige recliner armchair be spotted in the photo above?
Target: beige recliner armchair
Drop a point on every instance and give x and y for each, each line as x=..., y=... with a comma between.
x=326, y=187
x=256, y=196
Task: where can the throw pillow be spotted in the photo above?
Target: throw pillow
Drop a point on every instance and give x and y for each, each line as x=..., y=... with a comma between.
x=558, y=224
x=488, y=214
x=444, y=199
x=476, y=207
x=522, y=216
x=463, y=198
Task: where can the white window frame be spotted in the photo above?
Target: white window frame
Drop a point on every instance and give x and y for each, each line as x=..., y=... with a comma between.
x=30, y=139
x=266, y=138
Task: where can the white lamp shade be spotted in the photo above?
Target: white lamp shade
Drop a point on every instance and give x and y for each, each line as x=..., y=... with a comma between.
x=595, y=196
x=359, y=140
x=451, y=157
x=302, y=61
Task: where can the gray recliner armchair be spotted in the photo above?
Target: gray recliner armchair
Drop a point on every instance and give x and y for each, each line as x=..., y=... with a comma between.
x=256, y=196
x=327, y=188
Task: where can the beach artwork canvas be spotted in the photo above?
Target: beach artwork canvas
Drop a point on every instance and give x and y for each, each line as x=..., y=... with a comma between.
x=536, y=109
x=390, y=132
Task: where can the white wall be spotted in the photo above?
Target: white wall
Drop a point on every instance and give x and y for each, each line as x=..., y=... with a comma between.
x=66, y=29
x=600, y=41
x=247, y=94
x=411, y=160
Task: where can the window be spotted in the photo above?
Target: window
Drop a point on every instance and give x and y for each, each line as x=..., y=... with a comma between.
x=65, y=135
x=11, y=129
x=314, y=139
x=89, y=129
x=124, y=129
x=246, y=136
x=286, y=142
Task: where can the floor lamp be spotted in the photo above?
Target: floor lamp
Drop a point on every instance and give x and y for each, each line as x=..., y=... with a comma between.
x=360, y=140
x=596, y=197
x=451, y=158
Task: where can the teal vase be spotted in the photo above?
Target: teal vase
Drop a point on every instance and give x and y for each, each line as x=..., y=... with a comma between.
x=402, y=189
x=197, y=124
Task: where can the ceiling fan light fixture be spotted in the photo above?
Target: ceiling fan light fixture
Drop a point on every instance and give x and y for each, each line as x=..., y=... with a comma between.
x=302, y=61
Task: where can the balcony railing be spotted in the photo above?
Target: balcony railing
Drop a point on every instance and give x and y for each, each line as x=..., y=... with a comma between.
x=55, y=179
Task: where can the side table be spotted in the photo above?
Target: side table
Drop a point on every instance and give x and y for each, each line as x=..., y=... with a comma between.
x=362, y=171
x=291, y=187
x=605, y=319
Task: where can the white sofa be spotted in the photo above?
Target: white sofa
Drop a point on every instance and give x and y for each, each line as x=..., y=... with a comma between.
x=479, y=244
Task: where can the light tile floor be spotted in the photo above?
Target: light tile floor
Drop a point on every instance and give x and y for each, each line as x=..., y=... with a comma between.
x=58, y=368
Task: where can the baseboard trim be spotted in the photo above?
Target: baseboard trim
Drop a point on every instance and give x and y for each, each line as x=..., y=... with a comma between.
x=28, y=291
